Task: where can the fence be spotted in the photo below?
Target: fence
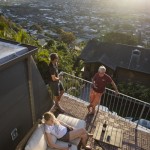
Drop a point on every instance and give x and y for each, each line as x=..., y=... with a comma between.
x=121, y=105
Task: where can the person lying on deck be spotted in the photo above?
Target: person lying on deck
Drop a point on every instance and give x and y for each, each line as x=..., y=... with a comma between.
x=62, y=132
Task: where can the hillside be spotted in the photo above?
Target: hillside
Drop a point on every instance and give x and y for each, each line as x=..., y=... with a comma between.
x=11, y=31
x=63, y=46
x=68, y=56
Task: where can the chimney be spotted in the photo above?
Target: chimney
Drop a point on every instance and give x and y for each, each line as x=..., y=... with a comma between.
x=134, y=59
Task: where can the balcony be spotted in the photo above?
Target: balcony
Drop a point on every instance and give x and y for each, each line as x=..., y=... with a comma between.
x=120, y=112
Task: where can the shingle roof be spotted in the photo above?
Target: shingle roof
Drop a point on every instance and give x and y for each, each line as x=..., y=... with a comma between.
x=113, y=55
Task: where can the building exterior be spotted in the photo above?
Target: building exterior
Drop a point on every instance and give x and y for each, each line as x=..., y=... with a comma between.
x=121, y=61
x=23, y=94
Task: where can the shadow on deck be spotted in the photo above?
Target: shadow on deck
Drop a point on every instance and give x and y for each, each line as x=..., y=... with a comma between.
x=133, y=139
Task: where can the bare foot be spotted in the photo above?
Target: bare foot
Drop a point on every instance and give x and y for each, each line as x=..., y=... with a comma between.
x=88, y=107
x=87, y=148
x=90, y=135
x=91, y=113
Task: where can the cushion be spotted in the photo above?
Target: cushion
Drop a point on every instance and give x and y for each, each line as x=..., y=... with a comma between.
x=37, y=140
x=64, y=144
x=74, y=122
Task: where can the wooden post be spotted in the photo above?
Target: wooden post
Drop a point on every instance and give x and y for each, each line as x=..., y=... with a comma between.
x=30, y=84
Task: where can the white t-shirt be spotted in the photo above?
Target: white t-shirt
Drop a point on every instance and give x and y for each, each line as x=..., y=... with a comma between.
x=57, y=130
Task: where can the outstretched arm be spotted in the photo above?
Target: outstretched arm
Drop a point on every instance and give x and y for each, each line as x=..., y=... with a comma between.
x=115, y=87
x=66, y=125
x=54, y=78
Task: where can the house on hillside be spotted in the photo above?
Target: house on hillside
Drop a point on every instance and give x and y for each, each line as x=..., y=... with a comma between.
x=123, y=62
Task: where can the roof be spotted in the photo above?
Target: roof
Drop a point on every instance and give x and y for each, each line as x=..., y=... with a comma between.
x=9, y=51
x=12, y=51
x=117, y=55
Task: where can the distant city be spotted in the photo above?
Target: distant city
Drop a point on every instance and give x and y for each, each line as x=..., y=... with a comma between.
x=87, y=19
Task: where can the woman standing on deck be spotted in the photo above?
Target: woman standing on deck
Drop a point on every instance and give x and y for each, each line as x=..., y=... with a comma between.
x=99, y=82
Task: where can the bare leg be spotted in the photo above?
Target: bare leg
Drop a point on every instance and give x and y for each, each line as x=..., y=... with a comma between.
x=61, y=93
x=88, y=107
x=93, y=109
x=57, y=100
x=91, y=101
x=80, y=133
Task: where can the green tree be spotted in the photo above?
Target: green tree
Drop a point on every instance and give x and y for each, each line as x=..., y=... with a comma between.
x=36, y=27
x=67, y=37
x=62, y=46
x=2, y=26
x=115, y=37
x=50, y=43
x=21, y=36
x=135, y=90
x=42, y=61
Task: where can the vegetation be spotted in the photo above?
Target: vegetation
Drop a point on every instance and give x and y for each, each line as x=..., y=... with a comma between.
x=36, y=27
x=67, y=37
x=10, y=31
x=68, y=56
x=115, y=37
x=135, y=90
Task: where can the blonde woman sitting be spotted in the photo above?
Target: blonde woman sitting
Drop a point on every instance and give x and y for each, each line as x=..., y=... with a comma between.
x=63, y=132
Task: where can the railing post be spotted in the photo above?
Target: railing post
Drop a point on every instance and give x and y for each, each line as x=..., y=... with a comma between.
x=140, y=115
x=30, y=84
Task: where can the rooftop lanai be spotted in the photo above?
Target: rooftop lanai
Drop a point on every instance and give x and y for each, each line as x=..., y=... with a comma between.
x=120, y=132
x=123, y=114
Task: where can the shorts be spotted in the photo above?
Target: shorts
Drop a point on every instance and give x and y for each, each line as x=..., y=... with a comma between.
x=56, y=87
x=66, y=138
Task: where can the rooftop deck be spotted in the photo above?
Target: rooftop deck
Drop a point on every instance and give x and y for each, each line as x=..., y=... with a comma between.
x=113, y=109
x=132, y=138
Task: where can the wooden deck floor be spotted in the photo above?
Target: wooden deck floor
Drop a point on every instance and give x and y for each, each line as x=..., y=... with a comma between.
x=133, y=139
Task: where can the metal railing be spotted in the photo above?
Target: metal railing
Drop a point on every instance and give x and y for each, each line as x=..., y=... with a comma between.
x=122, y=105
